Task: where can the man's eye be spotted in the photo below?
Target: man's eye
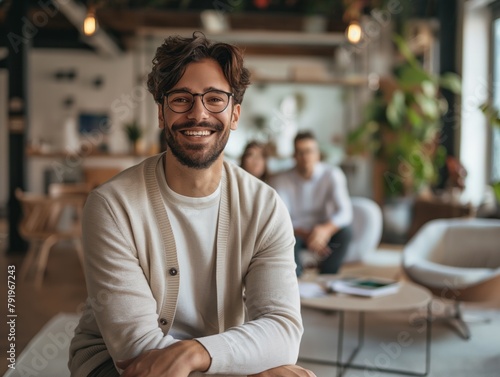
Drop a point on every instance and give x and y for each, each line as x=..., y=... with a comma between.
x=181, y=100
x=214, y=99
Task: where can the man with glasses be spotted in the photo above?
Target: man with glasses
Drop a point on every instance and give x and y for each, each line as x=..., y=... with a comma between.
x=317, y=198
x=188, y=258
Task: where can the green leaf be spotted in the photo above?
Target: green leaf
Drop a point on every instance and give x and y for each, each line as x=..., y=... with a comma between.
x=496, y=189
x=451, y=81
x=404, y=49
x=484, y=107
x=414, y=118
x=376, y=110
x=491, y=114
x=411, y=76
x=428, y=88
x=396, y=109
x=429, y=106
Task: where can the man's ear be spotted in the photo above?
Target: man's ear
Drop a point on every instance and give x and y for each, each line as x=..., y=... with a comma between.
x=235, y=116
x=161, y=121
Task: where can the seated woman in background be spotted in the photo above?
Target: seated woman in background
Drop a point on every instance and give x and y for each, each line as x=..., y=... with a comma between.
x=254, y=160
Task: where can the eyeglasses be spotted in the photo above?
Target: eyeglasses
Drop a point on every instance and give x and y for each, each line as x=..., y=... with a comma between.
x=181, y=101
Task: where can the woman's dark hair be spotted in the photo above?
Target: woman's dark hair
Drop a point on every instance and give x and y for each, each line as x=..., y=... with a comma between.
x=246, y=151
x=172, y=57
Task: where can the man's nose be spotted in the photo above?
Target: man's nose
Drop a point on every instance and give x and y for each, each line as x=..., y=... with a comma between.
x=198, y=111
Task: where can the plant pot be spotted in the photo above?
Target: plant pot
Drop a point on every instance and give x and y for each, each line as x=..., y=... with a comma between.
x=315, y=23
x=134, y=147
x=397, y=214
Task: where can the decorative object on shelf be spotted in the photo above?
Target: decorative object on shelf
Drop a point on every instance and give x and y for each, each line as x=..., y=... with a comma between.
x=68, y=74
x=98, y=82
x=134, y=133
x=315, y=23
x=402, y=126
x=71, y=137
x=214, y=21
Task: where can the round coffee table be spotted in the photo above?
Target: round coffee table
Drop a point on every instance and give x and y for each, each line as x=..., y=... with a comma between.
x=409, y=297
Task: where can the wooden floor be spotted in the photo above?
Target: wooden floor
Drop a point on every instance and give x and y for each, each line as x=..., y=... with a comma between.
x=63, y=290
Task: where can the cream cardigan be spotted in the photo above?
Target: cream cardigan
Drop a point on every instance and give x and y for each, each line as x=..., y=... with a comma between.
x=132, y=275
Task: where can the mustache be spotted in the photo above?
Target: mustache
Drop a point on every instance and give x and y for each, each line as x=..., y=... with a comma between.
x=192, y=124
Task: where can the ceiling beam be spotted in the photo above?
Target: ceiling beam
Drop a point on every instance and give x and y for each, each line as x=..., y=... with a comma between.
x=100, y=41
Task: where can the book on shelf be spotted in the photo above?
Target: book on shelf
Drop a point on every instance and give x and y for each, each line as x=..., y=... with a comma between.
x=364, y=286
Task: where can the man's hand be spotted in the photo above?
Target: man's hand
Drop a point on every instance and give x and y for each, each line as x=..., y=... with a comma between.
x=179, y=360
x=285, y=371
x=319, y=237
x=301, y=233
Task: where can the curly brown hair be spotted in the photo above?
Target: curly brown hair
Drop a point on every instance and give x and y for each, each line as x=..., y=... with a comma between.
x=172, y=57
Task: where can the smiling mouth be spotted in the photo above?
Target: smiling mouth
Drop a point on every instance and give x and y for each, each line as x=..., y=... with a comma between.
x=197, y=133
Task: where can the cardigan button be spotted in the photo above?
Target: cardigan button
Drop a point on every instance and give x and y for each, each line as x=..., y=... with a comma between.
x=172, y=271
x=163, y=321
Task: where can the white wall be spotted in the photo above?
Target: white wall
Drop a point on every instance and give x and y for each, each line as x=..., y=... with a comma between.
x=117, y=97
x=4, y=144
x=322, y=111
x=123, y=94
x=474, y=129
x=47, y=93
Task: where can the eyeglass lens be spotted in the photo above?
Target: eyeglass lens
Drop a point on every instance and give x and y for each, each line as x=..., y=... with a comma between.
x=214, y=101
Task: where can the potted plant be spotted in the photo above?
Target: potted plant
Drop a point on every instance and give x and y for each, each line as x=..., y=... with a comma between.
x=402, y=126
x=134, y=132
x=401, y=132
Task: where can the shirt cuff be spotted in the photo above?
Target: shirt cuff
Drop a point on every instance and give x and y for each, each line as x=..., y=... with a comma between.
x=218, y=349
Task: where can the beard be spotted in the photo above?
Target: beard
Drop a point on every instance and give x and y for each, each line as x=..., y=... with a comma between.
x=197, y=156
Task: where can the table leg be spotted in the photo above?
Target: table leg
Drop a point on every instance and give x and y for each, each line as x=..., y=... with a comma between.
x=340, y=344
x=342, y=367
x=428, y=340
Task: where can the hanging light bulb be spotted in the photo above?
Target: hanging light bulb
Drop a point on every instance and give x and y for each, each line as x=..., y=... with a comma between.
x=90, y=24
x=354, y=32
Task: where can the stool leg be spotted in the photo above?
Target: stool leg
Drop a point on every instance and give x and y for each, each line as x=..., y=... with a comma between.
x=42, y=262
x=28, y=260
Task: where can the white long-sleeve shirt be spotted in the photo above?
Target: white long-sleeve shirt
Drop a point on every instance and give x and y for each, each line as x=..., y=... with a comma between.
x=133, y=275
x=324, y=197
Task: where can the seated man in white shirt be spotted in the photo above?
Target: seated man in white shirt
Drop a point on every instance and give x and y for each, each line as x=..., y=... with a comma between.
x=317, y=198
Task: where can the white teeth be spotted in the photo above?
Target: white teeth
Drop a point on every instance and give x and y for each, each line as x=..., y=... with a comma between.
x=197, y=133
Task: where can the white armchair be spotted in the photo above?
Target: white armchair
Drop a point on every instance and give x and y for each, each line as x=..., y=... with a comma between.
x=366, y=232
x=367, y=228
x=457, y=259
